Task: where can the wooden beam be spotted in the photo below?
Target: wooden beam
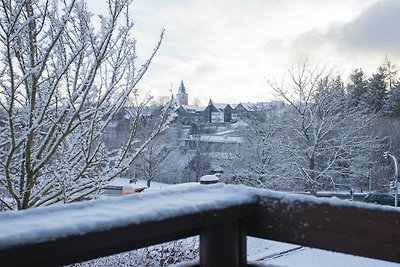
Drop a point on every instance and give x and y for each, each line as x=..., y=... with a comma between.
x=223, y=244
x=213, y=212
x=358, y=229
x=77, y=248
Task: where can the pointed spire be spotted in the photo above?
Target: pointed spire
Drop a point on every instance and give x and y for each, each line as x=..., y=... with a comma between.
x=182, y=96
x=182, y=89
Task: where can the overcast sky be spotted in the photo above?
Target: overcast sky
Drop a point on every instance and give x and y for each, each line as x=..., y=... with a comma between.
x=226, y=49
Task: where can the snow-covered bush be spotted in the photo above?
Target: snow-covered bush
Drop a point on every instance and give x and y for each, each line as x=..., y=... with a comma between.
x=159, y=255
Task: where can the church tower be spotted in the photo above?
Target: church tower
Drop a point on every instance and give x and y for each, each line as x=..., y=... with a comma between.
x=182, y=96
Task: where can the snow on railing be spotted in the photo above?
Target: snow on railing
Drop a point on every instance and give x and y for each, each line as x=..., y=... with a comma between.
x=223, y=215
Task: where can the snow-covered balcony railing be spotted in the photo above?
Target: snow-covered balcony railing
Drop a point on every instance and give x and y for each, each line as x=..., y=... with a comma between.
x=222, y=215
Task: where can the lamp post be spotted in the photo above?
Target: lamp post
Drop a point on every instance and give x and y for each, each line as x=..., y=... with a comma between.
x=386, y=155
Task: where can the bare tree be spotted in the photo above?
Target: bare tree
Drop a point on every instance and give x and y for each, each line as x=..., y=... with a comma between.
x=320, y=142
x=200, y=163
x=63, y=80
x=153, y=162
x=260, y=160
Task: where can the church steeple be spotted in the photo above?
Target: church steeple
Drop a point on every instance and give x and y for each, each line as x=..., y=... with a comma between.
x=182, y=96
x=182, y=89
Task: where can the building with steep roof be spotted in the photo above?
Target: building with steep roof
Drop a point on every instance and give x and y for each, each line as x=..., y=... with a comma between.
x=218, y=113
x=182, y=97
x=242, y=110
x=188, y=114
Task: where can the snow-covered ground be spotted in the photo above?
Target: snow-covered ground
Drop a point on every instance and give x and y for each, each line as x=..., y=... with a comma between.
x=283, y=254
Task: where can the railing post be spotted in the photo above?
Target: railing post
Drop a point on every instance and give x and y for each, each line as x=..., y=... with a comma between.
x=223, y=244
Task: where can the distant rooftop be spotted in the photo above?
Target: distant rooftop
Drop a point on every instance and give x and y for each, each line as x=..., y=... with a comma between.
x=193, y=108
x=220, y=106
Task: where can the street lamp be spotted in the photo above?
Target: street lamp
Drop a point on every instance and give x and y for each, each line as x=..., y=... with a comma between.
x=386, y=155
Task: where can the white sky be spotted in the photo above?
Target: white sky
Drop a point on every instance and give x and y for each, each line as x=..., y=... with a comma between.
x=226, y=49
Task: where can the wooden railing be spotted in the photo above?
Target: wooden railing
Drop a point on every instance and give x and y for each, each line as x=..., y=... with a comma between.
x=222, y=215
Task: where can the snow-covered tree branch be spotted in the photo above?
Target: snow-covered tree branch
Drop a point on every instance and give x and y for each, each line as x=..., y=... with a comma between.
x=63, y=81
x=326, y=139
x=317, y=142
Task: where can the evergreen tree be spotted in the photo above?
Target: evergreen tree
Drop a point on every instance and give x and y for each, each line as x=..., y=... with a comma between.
x=392, y=105
x=332, y=86
x=338, y=85
x=357, y=88
x=376, y=91
x=391, y=71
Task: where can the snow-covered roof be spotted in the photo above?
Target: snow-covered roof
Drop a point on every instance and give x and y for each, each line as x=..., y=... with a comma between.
x=216, y=139
x=209, y=178
x=249, y=106
x=233, y=105
x=227, y=132
x=220, y=106
x=193, y=108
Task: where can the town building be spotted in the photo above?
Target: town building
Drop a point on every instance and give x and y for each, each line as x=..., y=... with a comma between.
x=188, y=114
x=216, y=112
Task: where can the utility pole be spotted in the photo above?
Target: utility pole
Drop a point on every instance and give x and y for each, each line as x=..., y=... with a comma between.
x=369, y=181
x=396, y=183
